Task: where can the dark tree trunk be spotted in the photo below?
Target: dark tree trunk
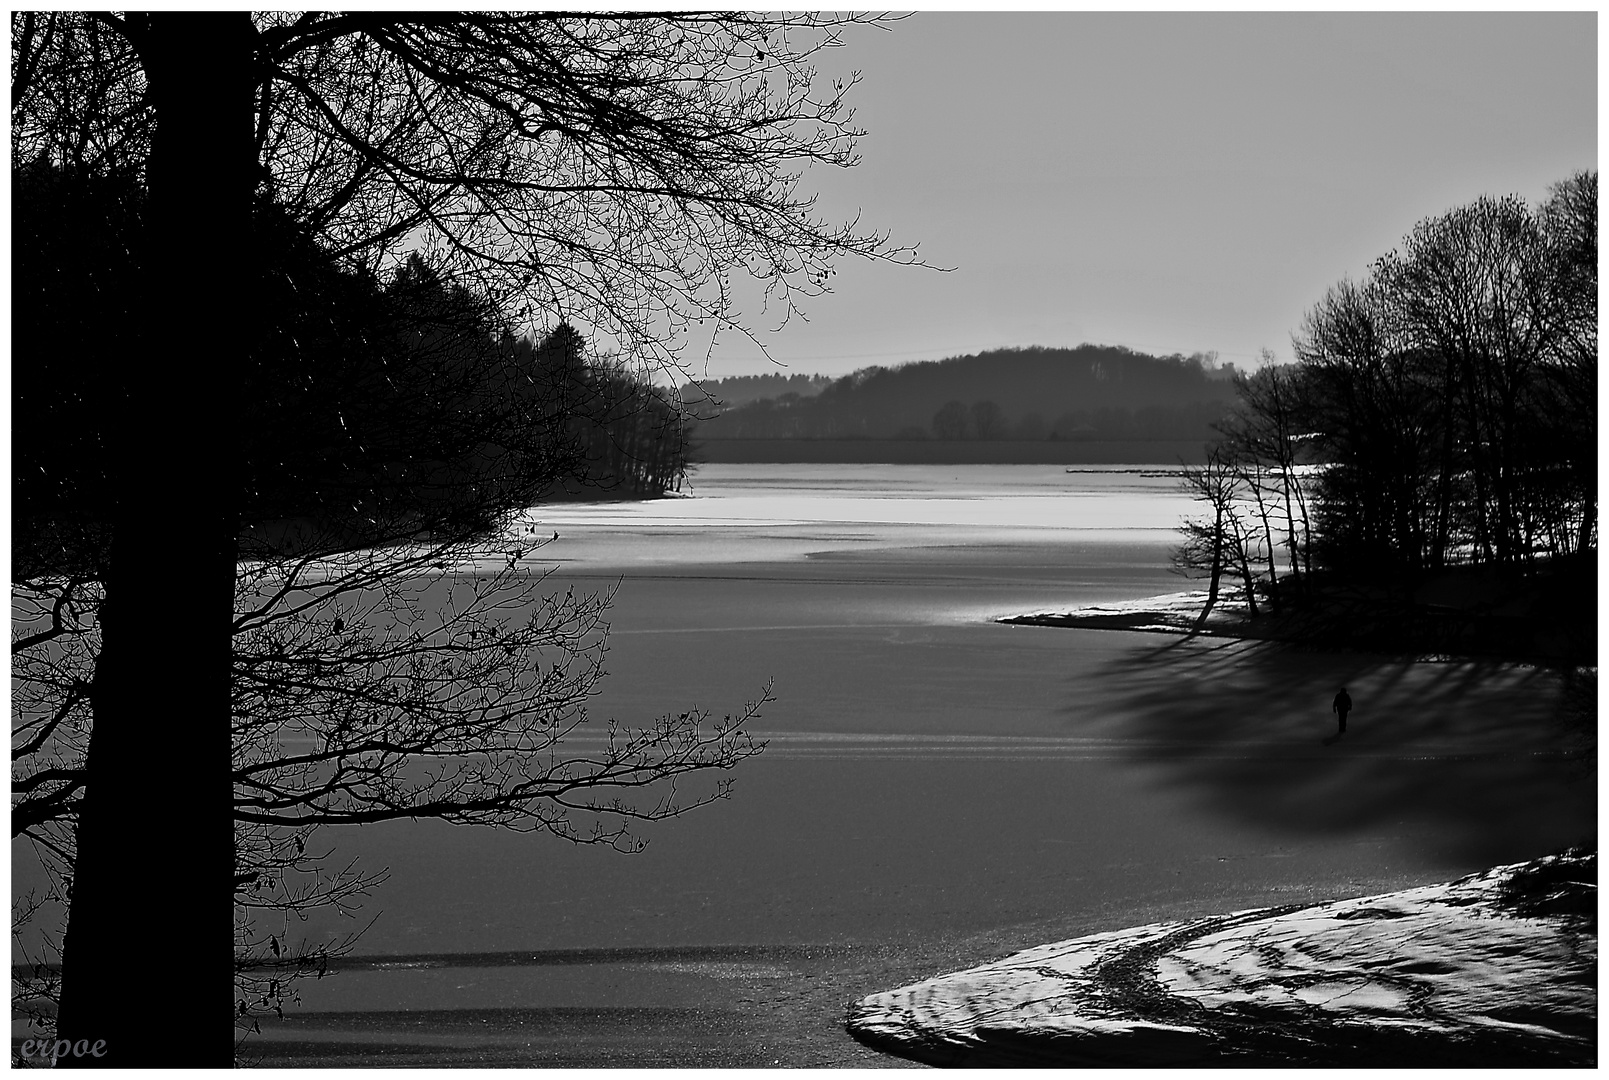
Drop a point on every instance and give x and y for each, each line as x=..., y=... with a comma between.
x=1249, y=580
x=152, y=885
x=1444, y=475
x=1268, y=539
x=1215, y=574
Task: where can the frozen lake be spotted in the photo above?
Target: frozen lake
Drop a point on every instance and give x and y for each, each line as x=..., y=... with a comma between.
x=937, y=785
x=937, y=788
x=930, y=770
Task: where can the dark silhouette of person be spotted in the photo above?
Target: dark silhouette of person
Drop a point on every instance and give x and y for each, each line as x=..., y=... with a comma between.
x=1340, y=707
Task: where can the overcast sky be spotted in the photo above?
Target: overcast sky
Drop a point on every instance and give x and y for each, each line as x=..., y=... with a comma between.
x=1169, y=182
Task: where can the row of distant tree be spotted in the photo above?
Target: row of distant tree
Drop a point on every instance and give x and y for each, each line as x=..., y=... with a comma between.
x=1441, y=414
x=630, y=436
x=1091, y=392
x=713, y=396
x=986, y=420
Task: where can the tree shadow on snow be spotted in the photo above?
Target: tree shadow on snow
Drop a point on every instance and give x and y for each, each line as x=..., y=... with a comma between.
x=1498, y=758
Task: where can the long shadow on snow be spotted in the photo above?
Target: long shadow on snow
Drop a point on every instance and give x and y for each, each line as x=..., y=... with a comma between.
x=1498, y=756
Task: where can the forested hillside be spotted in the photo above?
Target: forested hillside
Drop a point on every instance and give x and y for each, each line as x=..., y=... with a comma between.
x=1088, y=393
x=712, y=396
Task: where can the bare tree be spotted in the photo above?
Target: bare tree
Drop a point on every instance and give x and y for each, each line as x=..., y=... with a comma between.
x=1263, y=434
x=1221, y=541
x=1450, y=391
x=1470, y=287
x=609, y=170
x=1373, y=408
x=988, y=420
x=950, y=422
x=1567, y=392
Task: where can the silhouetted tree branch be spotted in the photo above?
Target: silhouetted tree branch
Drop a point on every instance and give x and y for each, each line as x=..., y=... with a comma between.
x=1441, y=415
x=1448, y=391
x=613, y=171
x=1221, y=540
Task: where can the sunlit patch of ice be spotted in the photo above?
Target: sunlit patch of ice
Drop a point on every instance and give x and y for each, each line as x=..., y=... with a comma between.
x=764, y=513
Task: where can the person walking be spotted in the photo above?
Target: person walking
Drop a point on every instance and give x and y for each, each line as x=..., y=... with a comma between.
x=1340, y=707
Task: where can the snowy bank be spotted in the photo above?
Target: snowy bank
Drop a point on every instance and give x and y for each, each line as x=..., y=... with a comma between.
x=1495, y=969
x=1174, y=613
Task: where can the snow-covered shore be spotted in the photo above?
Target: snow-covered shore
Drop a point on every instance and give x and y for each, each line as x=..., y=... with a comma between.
x=1499, y=968
x=1174, y=613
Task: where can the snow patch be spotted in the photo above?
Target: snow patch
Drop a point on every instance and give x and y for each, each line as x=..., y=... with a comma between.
x=1498, y=968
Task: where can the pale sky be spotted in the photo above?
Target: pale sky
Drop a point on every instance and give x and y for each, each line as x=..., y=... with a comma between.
x=1173, y=182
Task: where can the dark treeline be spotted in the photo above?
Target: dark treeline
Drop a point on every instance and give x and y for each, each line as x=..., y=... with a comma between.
x=1091, y=392
x=1434, y=446
x=630, y=437
x=713, y=396
x=429, y=405
x=407, y=397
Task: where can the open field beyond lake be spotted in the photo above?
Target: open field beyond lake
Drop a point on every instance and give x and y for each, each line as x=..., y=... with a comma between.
x=938, y=789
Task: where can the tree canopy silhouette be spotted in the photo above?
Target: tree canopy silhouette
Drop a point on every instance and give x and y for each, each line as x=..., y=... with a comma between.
x=609, y=171
x=1432, y=453
x=1454, y=390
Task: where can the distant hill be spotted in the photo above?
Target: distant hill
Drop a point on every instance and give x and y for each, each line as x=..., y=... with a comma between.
x=702, y=397
x=1089, y=393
